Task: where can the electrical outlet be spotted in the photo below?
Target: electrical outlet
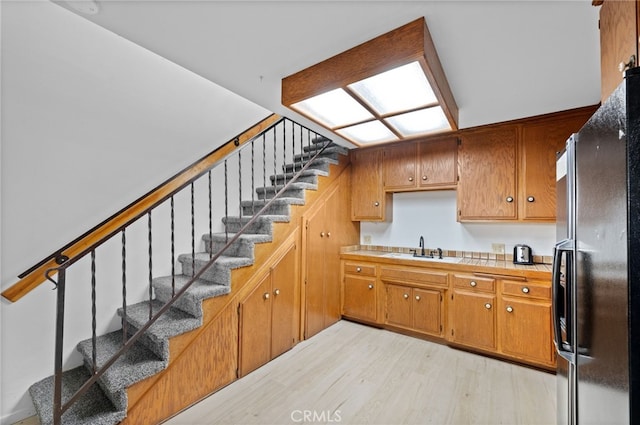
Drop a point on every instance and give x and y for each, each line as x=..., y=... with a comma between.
x=497, y=248
x=366, y=239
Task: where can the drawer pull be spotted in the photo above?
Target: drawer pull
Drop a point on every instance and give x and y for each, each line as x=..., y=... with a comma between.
x=370, y=286
x=509, y=309
x=358, y=269
x=410, y=179
x=487, y=306
x=509, y=199
x=376, y=204
x=424, y=178
x=525, y=290
x=417, y=297
x=473, y=283
x=276, y=292
x=266, y=296
x=406, y=296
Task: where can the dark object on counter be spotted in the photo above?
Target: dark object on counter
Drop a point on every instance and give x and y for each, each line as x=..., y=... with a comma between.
x=522, y=254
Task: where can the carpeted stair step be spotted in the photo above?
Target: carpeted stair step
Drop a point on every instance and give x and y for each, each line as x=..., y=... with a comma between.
x=280, y=206
x=329, y=147
x=133, y=366
x=262, y=225
x=94, y=407
x=242, y=247
x=295, y=190
x=191, y=301
x=219, y=272
x=321, y=163
x=310, y=175
x=173, y=322
x=329, y=153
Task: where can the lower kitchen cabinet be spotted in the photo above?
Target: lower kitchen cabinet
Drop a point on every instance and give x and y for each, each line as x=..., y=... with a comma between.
x=473, y=313
x=269, y=315
x=414, y=308
x=524, y=321
x=360, y=291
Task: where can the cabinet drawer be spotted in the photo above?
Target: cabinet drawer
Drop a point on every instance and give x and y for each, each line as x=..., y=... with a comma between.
x=407, y=274
x=475, y=283
x=526, y=289
x=360, y=269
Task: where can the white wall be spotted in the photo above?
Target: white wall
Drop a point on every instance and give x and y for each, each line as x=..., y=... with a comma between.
x=90, y=122
x=433, y=215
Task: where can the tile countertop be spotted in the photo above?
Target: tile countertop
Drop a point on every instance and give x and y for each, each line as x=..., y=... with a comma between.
x=459, y=262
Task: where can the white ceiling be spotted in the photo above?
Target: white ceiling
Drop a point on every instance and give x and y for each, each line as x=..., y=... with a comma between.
x=503, y=59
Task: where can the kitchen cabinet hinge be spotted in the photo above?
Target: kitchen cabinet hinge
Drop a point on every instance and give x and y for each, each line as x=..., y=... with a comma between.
x=451, y=332
x=237, y=373
x=238, y=309
x=440, y=328
x=306, y=225
x=459, y=141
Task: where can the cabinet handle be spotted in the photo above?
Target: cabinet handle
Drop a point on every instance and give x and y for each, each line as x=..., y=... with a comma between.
x=622, y=66
x=406, y=296
x=266, y=296
x=509, y=309
x=509, y=199
x=424, y=178
x=487, y=306
x=417, y=297
x=376, y=204
x=358, y=269
x=473, y=283
x=410, y=179
x=276, y=292
x=322, y=234
x=370, y=286
x=328, y=234
x=531, y=199
x=525, y=290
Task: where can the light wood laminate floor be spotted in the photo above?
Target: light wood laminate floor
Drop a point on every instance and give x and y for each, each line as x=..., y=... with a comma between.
x=355, y=374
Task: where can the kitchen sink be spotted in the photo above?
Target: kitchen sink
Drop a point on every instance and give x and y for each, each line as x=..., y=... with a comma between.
x=435, y=259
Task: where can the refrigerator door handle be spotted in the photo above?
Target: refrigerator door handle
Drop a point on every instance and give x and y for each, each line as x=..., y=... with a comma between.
x=560, y=305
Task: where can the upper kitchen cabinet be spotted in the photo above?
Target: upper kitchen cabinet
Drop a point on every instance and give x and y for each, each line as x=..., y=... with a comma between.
x=619, y=31
x=508, y=171
x=487, y=167
x=540, y=143
x=425, y=165
x=369, y=202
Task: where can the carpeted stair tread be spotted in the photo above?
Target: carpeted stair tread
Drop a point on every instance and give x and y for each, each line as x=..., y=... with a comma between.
x=191, y=301
x=262, y=224
x=220, y=271
x=293, y=187
x=278, y=201
x=328, y=153
x=173, y=322
x=133, y=366
x=94, y=407
x=332, y=148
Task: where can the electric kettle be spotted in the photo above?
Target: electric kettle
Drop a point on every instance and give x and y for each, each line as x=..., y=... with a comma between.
x=522, y=254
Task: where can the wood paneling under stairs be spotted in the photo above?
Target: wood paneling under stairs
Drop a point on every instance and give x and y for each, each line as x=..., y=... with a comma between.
x=364, y=375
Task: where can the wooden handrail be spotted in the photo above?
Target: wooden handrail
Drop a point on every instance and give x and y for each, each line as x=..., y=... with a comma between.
x=35, y=276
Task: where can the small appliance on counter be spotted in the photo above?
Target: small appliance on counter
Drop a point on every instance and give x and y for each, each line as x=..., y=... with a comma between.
x=522, y=254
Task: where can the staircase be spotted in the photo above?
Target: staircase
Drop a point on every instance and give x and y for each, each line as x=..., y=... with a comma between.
x=106, y=403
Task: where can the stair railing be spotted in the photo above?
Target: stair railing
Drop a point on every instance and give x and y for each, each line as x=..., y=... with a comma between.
x=275, y=142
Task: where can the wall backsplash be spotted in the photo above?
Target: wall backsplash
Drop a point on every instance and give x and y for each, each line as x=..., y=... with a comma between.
x=433, y=215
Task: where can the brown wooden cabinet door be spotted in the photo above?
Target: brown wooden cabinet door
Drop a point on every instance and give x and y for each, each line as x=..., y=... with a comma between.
x=487, y=186
x=367, y=196
x=339, y=231
x=285, y=306
x=399, y=166
x=525, y=329
x=438, y=162
x=618, y=41
x=540, y=144
x=360, y=298
x=315, y=273
x=399, y=306
x=474, y=319
x=255, y=327
x=427, y=311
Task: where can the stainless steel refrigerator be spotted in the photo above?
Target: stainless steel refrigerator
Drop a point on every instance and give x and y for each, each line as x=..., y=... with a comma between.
x=596, y=299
